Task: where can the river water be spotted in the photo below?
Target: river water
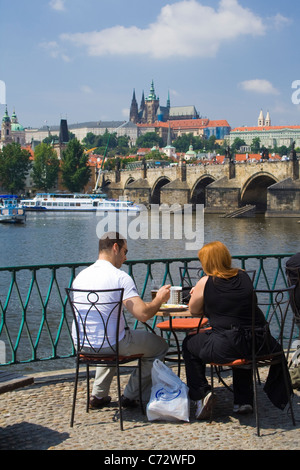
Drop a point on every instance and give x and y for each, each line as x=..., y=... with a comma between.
x=50, y=238
x=66, y=238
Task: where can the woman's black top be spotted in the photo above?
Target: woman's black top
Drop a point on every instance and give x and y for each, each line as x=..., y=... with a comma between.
x=228, y=302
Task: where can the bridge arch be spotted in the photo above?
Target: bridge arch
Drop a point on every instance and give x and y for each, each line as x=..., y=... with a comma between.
x=105, y=184
x=255, y=190
x=198, y=189
x=128, y=181
x=155, y=191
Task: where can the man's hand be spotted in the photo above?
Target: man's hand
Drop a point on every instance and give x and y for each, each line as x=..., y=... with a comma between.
x=163, y=294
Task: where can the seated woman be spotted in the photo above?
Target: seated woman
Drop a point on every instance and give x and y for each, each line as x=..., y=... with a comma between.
x=225, y=296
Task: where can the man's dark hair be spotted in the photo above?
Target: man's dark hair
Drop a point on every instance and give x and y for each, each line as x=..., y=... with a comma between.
x=108, y=240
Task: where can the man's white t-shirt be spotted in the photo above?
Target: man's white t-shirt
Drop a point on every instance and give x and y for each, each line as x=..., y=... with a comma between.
x=102, y=275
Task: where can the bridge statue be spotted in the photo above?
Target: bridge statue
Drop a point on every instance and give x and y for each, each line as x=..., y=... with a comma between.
x=293, y=152
x=228, y=154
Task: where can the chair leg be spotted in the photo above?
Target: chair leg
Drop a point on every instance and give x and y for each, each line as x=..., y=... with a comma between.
x=178, y=354
x=119, y=397
x=285, y=372
x=74, y=394
x=140, y=385
x=212, y=390
x=87, y=387
x=254, y=380
x=218, y=370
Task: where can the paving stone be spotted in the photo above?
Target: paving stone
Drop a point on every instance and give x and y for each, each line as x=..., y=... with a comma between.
x=38, y=418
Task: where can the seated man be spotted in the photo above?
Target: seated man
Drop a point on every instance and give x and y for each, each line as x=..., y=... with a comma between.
x=105, y=273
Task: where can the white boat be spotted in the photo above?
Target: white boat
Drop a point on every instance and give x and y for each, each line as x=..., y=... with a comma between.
x=77, y=202
x=10, y=210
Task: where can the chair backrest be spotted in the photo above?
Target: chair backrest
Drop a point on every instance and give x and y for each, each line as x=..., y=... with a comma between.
x=97, y=319
x=251, y=273
x=189, y=276
x=293, y=278
x=275, y=305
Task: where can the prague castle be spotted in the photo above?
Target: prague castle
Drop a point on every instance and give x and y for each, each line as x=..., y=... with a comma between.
x=151, y=111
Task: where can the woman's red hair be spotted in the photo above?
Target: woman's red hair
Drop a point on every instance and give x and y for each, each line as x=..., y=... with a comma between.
x=216, y=260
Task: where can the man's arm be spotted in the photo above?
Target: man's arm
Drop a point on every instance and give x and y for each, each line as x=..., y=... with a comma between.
x=143, y=311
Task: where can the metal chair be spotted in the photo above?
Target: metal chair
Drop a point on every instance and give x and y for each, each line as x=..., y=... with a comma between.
x=276, y=304
x=293, y=278
x=99, y=313
x=189, y=276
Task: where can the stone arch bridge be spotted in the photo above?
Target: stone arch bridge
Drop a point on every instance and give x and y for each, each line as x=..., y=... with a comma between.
x=269, y=187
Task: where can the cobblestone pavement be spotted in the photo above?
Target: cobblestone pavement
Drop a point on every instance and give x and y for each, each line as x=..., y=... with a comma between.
x=37, y=418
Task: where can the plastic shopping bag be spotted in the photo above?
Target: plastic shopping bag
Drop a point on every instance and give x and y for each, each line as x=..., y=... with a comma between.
x=169, y=398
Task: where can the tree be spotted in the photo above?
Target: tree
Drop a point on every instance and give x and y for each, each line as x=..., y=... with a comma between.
x=183, y=142
x=45, y=167
x=50, y=139
x=255, y=146
x=14, y=167
x=237, y=143
x=75, y=170
x=149, y=139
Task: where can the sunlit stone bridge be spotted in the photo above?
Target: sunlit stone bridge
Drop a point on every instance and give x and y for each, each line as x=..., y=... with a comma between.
x=270, y=187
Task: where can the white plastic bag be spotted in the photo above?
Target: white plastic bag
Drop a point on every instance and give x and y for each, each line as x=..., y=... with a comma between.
x=169, y=398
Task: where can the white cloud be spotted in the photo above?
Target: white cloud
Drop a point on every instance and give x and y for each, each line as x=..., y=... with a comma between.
x=86, y=89
x=279, y=21
x=125, y=112
x=58, y=5
x=259, y=86
x=187, y=28
x=55, y=51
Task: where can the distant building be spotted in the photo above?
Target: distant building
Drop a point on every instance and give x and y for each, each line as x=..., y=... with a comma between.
x=11, y=130
x=151, y=111
x=269, y=136
x=80, y=130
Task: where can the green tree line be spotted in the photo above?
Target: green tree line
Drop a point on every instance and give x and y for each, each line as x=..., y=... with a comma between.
x=16, y=163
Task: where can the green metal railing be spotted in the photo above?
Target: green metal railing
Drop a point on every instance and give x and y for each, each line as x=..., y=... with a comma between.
x=35, y=318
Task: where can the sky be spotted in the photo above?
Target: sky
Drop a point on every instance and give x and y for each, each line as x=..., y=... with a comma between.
x=80, y=60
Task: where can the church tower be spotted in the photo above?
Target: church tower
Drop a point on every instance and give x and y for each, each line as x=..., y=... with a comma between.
x=151, y=106
x=268, y=120
x=134, y=115
x=6, y=137
x=261, y=119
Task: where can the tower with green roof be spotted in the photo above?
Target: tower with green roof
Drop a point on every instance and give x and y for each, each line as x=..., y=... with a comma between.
x=6, y=137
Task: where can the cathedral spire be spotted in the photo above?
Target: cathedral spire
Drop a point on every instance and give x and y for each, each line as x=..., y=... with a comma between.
x=133, y=115
x=152, y=95
x=142, y=107
x=168, y=100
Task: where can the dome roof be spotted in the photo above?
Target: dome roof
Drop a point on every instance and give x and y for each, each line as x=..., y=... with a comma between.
x=16, y=127
x=191, y=151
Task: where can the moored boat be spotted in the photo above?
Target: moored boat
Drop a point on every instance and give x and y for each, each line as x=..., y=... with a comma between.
x=77, y=202
x=10, y=210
